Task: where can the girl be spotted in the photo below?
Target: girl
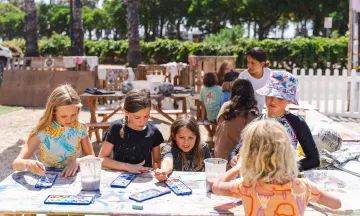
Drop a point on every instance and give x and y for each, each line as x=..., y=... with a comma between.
x=226, y=68
x=268, y=167
x=280, y=91
x=210, y=95
x=234, y=115
x=134, y=142
x=258, y=72
x=185, y=151
x=226, y=88
x=59, y=134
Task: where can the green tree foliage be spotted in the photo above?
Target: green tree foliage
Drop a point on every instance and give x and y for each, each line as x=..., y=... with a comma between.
x=11, y=22
x=226, y=36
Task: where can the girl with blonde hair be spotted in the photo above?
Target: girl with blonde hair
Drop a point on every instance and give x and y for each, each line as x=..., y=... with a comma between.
x=59, y=134
x=268, y=167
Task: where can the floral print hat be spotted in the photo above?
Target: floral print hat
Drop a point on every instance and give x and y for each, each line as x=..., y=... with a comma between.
x=282, y=85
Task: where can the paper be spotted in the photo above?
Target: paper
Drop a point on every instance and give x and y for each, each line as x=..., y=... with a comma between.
x=193, y=177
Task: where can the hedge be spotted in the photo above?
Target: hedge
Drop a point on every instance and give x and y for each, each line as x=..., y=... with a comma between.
x=316, y=52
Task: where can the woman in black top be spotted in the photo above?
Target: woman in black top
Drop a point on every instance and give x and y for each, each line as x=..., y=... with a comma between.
x=279, y=91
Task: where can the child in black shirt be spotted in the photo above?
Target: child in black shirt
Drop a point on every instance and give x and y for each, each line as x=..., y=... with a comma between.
x=134, y=142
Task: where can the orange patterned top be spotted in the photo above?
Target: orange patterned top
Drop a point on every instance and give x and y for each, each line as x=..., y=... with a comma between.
x=278, y=200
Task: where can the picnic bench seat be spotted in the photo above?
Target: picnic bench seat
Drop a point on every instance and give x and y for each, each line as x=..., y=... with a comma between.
x=103, y=113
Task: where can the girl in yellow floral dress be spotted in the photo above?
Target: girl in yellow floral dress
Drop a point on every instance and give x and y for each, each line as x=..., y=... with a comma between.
x=61, y=137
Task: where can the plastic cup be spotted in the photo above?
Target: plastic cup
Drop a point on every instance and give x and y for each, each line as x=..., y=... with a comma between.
x=214, y=169
x=90, y=169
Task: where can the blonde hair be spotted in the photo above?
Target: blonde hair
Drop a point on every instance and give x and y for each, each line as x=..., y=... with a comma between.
x=226, y=86
x=63, y=95
x=267, y=154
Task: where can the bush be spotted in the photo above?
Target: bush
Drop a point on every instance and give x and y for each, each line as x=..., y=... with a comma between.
x=15, y=46
x=316, y=52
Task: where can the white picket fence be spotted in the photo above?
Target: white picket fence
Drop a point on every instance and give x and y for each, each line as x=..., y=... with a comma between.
x=329, y=91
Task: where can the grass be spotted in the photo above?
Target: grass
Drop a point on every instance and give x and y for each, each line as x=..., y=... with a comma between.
x=7, y=109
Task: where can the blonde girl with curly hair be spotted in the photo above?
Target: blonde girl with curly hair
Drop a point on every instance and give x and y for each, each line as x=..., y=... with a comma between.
x=268, y=166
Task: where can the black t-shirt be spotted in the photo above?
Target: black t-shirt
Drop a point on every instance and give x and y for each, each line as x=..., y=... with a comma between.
x=303, y=136
x=136, y=146
x=173, y=151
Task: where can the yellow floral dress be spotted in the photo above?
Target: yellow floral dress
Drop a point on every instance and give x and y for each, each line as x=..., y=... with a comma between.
x=60, y=145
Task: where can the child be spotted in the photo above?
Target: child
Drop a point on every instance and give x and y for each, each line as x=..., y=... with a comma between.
x=268, y=167
x=134, y=142
x=234, y=115
x=59, y=134
x=210, y=95
x=226, y=88
x=258, y=72
x=185, y=152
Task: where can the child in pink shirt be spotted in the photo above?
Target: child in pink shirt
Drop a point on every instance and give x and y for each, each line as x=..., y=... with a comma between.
x=268, y=166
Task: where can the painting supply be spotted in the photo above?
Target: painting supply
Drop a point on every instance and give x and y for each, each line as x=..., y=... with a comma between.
x=47, y=180
x=137, y=206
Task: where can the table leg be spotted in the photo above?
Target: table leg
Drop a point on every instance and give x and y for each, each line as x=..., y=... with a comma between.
x=184, y=105
x=92, y=101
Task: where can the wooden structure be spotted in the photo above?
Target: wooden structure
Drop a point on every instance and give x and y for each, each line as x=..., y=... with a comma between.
x=183, y=78
x=29, y=81
x=204, y=64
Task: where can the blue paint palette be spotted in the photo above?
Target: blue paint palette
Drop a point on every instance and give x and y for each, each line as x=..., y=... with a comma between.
x=69, y=200
x=46, y=181
x=149, y=194
x=178, y=187
x=123, y=180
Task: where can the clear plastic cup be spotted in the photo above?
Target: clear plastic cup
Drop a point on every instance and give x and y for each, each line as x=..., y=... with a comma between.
x=90, y=169
x=214, y=169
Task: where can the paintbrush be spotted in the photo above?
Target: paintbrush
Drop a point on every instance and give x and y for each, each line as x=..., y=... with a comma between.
x=47, y=180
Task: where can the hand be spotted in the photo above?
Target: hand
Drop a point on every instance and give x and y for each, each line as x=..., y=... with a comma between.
x=160, y=174
x=137, y=168
x=36, y=167
x=70, y=169
x=234, y=160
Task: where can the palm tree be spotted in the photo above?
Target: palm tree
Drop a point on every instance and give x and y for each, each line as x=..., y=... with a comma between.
x=77, y=31
x=134, y=54
x=30, y=29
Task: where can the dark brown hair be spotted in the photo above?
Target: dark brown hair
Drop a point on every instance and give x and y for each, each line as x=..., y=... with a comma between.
x=242, y=99
x=210, y=79
x=222, y=70
x=135, y=100
x=259, y=54
x=189, y=122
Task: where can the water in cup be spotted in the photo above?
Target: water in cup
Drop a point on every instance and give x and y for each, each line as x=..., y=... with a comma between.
x=214, y=169
x=90, y=169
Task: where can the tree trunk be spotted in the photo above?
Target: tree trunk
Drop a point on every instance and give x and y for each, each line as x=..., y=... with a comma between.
x=30, y=29
x=161, y=27
x=249, y=26
x=255, y=24
x=261, y=32
x=154, y=23
x=134, y=53
x=76, y=26
x=178, y=35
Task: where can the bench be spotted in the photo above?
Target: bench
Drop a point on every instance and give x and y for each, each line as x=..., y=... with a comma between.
x=104, y=113
x=105, y=125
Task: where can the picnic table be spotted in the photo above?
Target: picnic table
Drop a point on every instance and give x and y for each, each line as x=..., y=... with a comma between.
x=95, y=124
x=19, y=195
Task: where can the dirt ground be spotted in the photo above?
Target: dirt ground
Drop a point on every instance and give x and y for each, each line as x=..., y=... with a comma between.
x=16, y=126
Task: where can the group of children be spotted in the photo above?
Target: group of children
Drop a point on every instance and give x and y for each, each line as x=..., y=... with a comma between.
x=266, y=161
